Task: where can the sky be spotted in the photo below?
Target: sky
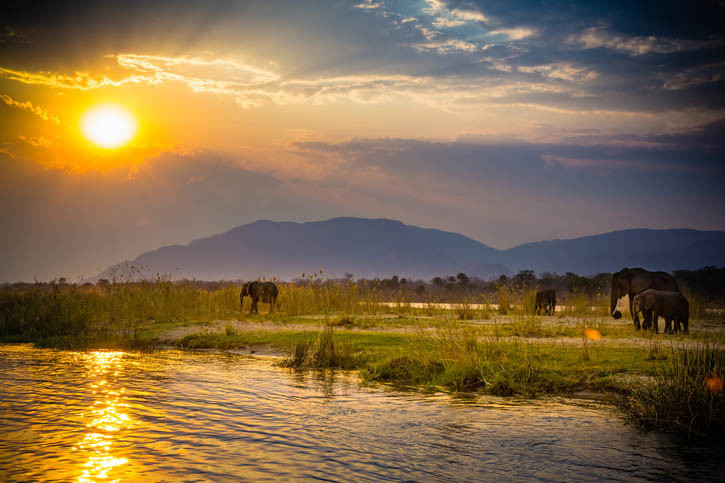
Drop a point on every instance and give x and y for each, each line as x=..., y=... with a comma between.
x=507, y=121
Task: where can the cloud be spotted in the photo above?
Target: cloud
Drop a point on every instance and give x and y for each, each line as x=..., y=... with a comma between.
x=28, y=106
x=600, y=165
x=595, y=37
x=561, y=70
x=447, y=46
x=693, y=77
x=14, y=36
x=6, y=152
x=369, y=5
x=470, y=14
x=252, y=87
x=456, y=16
x=195, y=70
x=515, y=33
x=37, y=142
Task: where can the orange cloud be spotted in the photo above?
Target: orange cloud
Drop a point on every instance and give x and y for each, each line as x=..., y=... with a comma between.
x=37, y=142
x=28, y=106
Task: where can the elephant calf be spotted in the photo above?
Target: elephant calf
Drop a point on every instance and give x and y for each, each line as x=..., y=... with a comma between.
x=265, y=291
x=546, y=302
x=670, y=305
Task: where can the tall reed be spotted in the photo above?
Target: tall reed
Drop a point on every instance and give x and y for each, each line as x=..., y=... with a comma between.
x=686, y=394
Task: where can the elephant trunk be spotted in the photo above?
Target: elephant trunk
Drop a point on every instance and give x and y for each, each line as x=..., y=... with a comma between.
x=613, y=304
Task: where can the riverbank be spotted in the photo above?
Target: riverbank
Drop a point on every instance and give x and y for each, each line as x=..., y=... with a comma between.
x=455, y=349
x=504, y=355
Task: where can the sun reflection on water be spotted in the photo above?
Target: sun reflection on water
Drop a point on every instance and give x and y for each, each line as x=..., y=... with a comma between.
x=106, y=417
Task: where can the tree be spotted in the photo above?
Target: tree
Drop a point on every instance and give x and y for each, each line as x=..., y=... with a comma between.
x=463, y=279
x=525, y=278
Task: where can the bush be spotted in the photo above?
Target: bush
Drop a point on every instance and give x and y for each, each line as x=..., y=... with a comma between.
x=322, y=353
x=686, y=395
x=503, y=300
x=59, y=313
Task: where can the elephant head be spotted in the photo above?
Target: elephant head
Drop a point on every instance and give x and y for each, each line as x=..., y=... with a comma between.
x=621, y=286
x=245, y=292
x=644, y=301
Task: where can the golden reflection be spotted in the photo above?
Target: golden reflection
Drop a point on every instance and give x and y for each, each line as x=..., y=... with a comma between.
x=106, y=417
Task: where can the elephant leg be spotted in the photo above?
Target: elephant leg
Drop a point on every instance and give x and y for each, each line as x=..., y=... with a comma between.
x=635, y=316
x=645, y=321
x=655, y=322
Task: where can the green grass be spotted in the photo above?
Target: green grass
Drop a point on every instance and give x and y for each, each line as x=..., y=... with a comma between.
x=685, y=395
x=460, y=360
x=430, y=348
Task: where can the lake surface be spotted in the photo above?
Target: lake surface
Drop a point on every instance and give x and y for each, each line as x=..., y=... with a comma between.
x=190, y=416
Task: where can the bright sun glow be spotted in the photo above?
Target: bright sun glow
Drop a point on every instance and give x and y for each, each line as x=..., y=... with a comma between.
x=108, y=126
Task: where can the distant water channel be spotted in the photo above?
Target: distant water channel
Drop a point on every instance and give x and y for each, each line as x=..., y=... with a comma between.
x=190, y=416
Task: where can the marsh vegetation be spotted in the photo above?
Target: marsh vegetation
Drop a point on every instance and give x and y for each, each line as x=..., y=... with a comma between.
x=457, y=335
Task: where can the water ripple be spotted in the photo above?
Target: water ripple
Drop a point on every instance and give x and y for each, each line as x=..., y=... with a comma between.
x=102, y=416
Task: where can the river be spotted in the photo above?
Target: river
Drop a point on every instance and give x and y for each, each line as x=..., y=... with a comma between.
x=202, y=416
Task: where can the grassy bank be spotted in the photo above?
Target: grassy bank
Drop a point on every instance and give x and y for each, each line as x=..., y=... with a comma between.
x=685, y=394
x=679, y=390
x=496, y=350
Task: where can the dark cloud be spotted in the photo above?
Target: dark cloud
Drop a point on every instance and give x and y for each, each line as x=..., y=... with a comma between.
x=667, y=180
x=643, y=56
x=669, y=18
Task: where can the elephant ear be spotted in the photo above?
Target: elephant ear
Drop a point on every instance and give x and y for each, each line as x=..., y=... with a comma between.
x=639, y=282
x=647, y=300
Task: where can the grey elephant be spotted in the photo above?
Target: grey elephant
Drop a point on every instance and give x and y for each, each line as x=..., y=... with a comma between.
x=670, y=305
x=545, y=302
x=631, y=281
x=267, y=292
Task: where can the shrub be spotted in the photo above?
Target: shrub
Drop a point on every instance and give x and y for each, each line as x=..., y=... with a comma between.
x=686, y=394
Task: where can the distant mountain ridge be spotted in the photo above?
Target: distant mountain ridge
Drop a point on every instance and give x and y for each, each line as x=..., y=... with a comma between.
x=382, y=248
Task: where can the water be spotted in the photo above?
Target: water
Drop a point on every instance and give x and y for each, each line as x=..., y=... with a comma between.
x=173, y=416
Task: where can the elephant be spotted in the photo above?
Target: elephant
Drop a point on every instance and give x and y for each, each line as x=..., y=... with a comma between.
x=267, y=292
x=631, y=281
x=671, y=305
x=545, y=302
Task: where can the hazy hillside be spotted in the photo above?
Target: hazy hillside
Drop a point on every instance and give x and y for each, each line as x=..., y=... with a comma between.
x=382, y=248
x=364, y=247
x=653, y=249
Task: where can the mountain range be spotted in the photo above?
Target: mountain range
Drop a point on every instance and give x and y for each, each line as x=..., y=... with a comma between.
x=381, y=248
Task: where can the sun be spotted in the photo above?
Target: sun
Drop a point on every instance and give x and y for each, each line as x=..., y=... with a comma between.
x=108, y=126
